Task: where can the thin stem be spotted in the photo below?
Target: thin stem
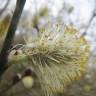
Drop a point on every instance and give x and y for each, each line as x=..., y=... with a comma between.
x=2, y=10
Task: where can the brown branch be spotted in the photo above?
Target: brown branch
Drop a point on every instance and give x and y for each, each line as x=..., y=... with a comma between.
x=10, y=35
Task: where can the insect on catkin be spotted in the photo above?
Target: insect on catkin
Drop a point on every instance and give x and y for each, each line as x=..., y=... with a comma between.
x=58, y=56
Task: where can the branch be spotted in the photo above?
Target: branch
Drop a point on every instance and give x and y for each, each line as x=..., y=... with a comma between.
x=89, y=23
x=2, y=10
x=10, y=35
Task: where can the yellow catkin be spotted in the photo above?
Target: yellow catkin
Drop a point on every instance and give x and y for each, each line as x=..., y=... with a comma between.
x=58, y=55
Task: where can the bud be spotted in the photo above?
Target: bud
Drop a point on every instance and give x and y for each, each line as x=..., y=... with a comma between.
x=28, y=82
x=28, y=72
x=17, y=78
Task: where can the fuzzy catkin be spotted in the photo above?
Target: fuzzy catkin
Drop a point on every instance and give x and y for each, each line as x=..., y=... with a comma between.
x=58, y=56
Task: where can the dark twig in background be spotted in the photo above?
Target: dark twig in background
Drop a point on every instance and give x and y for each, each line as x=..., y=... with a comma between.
x=10, y=35
x=89, y=23
x=4, y=8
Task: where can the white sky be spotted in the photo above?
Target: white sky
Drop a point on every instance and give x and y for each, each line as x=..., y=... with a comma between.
x=80, y=16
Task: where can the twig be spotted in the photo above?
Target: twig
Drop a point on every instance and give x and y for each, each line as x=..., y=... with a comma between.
x=88, y=25
x=10, y=35
x=2, y=10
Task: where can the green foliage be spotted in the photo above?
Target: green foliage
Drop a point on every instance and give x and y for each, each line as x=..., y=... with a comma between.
x=4, y=25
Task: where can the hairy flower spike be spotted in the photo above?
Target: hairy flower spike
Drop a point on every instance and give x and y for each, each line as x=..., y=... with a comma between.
x=58, y=56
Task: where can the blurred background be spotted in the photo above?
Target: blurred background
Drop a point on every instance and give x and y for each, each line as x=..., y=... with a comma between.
x=79, y=13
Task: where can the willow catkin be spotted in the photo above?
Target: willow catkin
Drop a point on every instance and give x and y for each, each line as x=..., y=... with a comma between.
x=58, y=56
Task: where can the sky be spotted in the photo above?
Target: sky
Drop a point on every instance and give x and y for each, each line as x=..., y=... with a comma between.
x=79, y=17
